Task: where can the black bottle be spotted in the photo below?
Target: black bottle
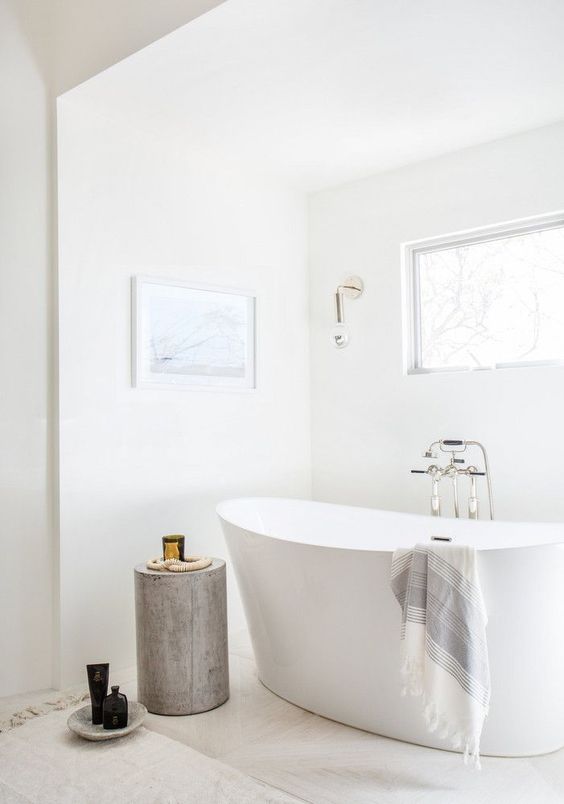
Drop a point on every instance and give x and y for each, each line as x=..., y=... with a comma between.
x=115, y=710
x=98, y=683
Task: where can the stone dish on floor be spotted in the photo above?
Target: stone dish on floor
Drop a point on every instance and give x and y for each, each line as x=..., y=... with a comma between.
x=80, y=722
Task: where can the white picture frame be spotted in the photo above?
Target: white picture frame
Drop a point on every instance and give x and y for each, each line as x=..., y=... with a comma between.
x=191, y=336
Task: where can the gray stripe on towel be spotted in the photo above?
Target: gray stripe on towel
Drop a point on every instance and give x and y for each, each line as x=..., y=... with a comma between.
x=432, y=592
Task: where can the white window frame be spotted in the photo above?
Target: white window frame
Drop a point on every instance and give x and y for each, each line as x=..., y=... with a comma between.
x=410, y=252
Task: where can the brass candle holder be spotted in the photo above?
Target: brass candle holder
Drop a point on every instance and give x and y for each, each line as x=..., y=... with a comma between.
x=173, y=547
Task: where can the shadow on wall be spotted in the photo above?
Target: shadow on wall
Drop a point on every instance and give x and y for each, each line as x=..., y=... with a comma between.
x=37, y=24
x=101, y=620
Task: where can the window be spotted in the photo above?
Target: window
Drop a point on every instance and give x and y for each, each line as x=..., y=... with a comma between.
x=490, y=300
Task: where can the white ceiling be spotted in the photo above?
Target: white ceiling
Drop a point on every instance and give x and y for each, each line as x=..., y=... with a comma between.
x=318, y=92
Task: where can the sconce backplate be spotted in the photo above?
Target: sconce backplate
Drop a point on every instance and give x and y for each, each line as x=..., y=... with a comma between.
x=352, y=287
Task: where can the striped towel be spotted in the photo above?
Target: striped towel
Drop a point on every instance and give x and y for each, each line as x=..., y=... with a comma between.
x=444, y=653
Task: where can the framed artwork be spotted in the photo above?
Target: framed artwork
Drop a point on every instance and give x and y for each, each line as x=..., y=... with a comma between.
x=192, y=336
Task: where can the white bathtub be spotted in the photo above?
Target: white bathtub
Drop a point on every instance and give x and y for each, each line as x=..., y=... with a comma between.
x=314, y=579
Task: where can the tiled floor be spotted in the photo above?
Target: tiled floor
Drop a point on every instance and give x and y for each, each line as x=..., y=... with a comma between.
x=319, y=761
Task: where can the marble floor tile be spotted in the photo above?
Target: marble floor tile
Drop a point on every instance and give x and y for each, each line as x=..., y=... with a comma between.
x=240, y=644
x=323, y=762
x=251, y=713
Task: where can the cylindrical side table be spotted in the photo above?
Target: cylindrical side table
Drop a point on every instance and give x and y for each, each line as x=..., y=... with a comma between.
x=181, y=623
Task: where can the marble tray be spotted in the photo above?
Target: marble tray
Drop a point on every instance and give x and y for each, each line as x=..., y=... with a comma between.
x=80, y=722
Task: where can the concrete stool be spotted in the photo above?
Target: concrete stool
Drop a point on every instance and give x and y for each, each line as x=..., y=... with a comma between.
x=181, y=620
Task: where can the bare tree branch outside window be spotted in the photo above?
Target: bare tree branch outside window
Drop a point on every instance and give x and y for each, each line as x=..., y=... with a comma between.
x=498, y=301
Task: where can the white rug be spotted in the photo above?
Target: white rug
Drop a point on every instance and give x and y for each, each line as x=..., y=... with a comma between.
x=42, y=761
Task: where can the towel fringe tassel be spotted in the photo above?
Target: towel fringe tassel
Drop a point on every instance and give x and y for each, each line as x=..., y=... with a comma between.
x=468, y=744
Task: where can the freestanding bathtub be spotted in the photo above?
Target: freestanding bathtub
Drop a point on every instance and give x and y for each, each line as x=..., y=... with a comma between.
x=314, y=579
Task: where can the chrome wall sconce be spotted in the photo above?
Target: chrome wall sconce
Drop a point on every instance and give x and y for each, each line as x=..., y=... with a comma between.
x=352, y=288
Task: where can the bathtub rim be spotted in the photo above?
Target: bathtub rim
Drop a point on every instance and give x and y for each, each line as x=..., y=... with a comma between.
x=423, y=519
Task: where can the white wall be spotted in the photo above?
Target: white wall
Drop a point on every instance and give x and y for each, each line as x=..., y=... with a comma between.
x=370, y=423
x=25, y=573
x=136, y=464
x=45, y=48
